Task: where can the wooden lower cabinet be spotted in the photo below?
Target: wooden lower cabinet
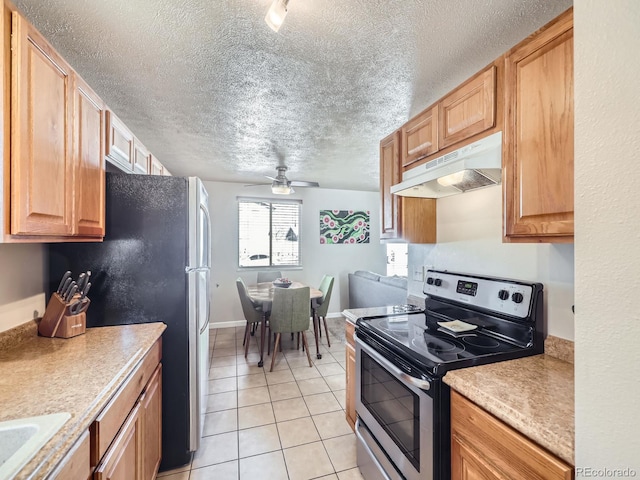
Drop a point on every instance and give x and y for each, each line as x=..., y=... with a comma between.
x=76, y=463
x=350, y=353
x=122, y=460
x=151, y=405
x=126, y=436
x=484, y=448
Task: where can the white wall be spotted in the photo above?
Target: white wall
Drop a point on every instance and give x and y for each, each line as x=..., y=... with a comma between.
x=607, y=142
x=21, y=283
x=317, y=259
x=470, y=241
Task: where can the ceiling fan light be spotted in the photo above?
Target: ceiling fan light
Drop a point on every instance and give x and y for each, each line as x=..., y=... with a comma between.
x=281, y=189
x=275, y=15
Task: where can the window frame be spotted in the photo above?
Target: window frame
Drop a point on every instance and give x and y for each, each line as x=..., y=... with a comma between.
x=271, y=201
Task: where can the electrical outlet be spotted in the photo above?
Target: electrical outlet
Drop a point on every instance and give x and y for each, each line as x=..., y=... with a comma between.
x=418, y=274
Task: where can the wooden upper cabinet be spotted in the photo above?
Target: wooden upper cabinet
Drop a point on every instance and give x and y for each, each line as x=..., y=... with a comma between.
x=89, y=161
x=419, y=220
x=119, y=144
x=538, y=153
x=469, y=109
x=420, y=136
x=390, y=175
x=155, y=167
x=140, y=158
x=41, y=135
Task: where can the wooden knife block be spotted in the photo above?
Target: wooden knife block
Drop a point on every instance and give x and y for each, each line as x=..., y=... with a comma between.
x=57, y=321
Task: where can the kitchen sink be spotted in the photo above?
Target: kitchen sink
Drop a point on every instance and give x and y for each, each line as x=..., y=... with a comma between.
x=22, y=438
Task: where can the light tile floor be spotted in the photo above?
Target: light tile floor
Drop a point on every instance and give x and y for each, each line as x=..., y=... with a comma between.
x=288, y=424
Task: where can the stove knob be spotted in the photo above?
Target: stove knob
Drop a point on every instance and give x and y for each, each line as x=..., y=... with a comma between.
x=517, y=297
x=503, y=295
x=438, y=282
x=430, y=280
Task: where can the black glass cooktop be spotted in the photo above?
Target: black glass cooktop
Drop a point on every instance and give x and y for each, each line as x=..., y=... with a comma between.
x=436, y=348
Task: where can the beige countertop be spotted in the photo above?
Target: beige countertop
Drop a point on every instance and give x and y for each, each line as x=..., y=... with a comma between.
x=40, y=376
x=534, y=395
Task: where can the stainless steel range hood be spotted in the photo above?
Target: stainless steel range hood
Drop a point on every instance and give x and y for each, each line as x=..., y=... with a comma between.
x=473, y=166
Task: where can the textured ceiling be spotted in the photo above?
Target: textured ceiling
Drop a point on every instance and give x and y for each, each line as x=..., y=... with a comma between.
x=213, y=92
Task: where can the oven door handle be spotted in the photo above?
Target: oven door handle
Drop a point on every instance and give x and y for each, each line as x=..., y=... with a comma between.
x=399, y=374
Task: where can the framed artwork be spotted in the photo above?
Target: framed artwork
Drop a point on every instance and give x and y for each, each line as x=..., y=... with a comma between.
x=344, y=226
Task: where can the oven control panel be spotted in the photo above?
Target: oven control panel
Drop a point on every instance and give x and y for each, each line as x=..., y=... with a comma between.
x=502, y=296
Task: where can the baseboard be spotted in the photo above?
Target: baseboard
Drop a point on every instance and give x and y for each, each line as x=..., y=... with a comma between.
x=232, y=324
x=242, y=323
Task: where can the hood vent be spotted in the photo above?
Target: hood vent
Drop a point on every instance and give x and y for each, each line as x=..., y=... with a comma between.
x=471, y=167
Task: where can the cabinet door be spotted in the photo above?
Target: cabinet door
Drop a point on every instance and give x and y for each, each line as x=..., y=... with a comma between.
x=390, y=175
x=89, y=161
x=123, y=459
x=420, y=136
x=41, y=135
x=140, y=158
x=469, y=109
x=119, y=144
x=419, y=220
x=538, y=154
x=151, y=404
x=350, y=393
x=467, y=463
x=155, y=167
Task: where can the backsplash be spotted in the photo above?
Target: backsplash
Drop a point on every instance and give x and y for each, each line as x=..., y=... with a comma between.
x=21, y=283
x=470, y=241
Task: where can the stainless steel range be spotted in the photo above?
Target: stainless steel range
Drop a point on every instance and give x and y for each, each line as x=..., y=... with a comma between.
x=403, y=425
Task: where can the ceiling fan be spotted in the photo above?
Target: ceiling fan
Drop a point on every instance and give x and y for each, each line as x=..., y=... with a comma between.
x=281, y=185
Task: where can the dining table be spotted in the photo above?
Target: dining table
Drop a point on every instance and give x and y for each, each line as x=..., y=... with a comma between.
x=261, y=295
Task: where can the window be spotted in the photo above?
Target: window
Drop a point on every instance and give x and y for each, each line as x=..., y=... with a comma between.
x=397, y=259
x=268, y=233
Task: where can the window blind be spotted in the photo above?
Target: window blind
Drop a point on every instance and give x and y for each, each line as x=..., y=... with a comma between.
x=268, y=233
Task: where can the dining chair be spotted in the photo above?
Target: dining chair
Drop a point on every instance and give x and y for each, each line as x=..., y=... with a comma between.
x=269, y=276
x=289, y=314
x=321, y=306
x=252, y=313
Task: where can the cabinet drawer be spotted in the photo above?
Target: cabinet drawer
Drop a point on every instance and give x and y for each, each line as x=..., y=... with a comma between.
x=121, y=461
x=76, y=464
x=106, y=426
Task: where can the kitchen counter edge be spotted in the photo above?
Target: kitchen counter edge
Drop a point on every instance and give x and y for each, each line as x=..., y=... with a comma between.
x=140, y=338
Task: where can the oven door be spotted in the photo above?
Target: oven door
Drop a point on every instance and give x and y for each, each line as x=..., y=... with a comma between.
x=398, y=411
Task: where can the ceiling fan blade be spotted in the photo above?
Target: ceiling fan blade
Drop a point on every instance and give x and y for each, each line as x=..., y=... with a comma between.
x=256, y=184
x=271, y=178
x=300, y=183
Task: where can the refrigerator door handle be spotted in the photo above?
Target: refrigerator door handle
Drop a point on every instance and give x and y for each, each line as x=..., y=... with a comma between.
x=196, y=269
